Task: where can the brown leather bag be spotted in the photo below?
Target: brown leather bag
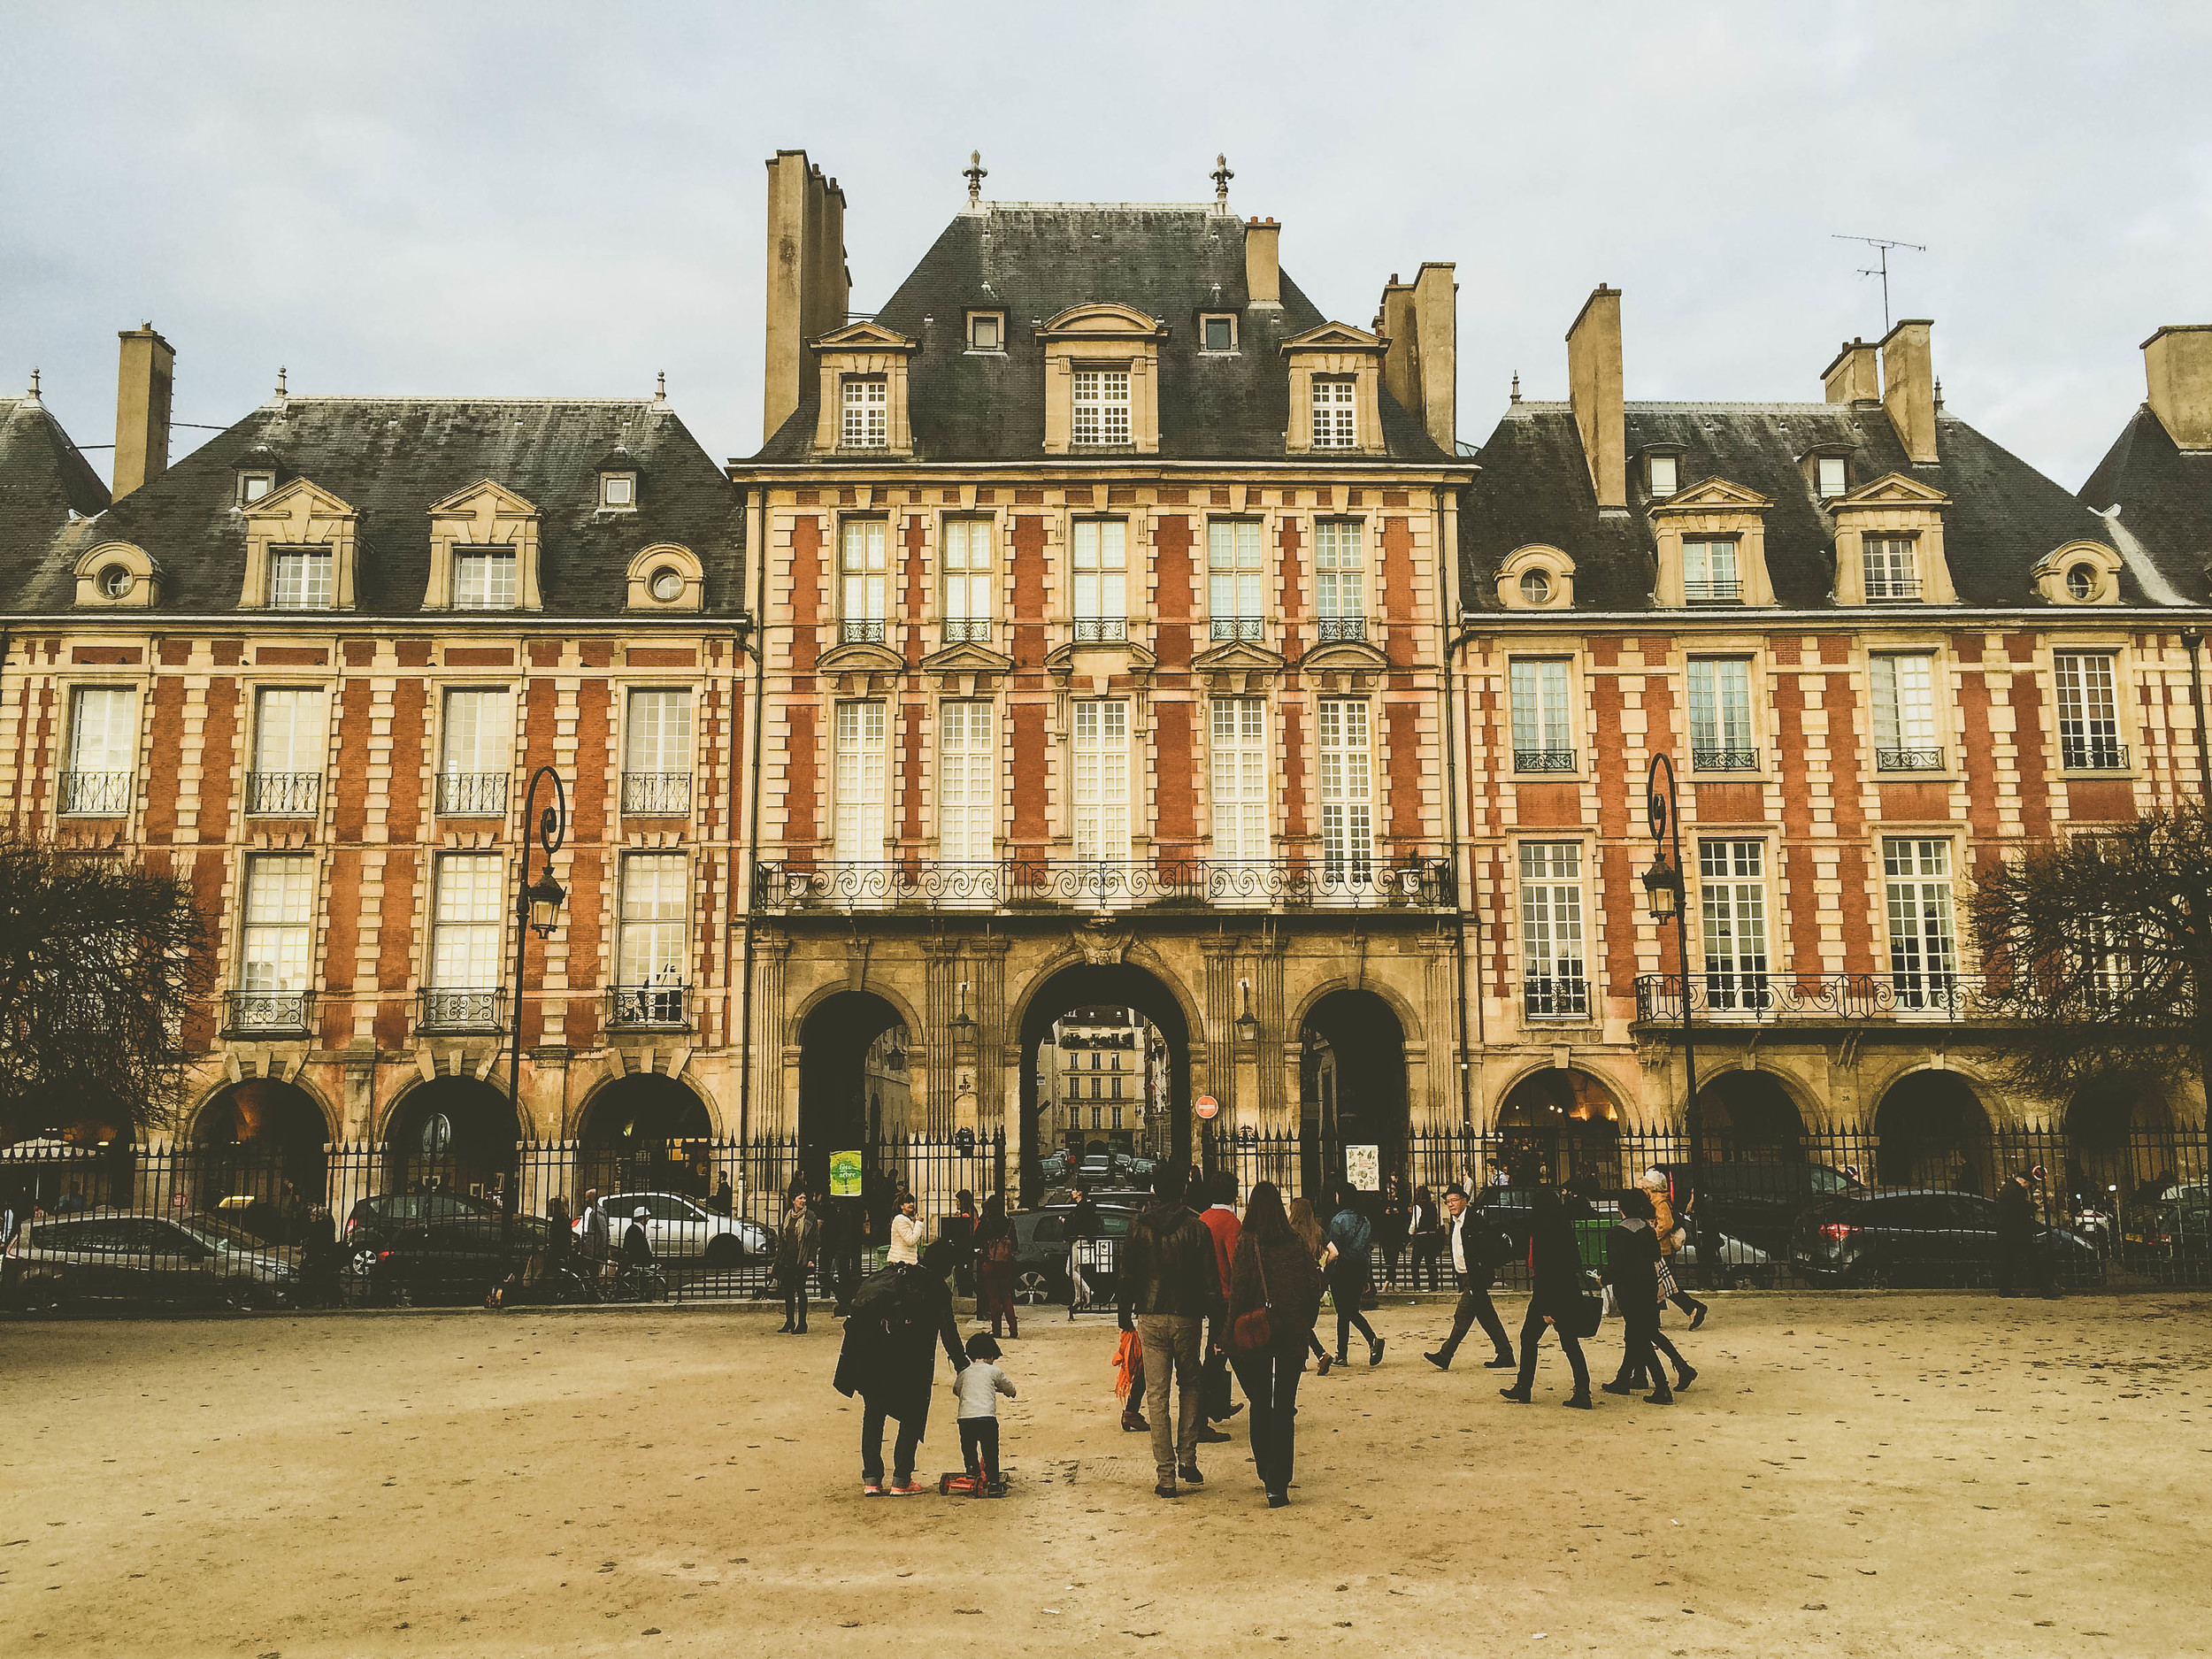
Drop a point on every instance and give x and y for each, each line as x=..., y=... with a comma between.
x=1249, y=1331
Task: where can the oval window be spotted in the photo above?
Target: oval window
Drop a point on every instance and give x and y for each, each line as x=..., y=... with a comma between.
x=1536, y=587
x=2081, y=581
x=115, y=581
x=667, y=585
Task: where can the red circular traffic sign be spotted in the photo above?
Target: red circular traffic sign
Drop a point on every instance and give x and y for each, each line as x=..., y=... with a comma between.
x=1206, y=1106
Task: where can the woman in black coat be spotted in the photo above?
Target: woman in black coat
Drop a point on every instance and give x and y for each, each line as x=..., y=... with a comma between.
x=900, y=1318
x=1631, y=1268
x=1557, y=1299
x=1272, y=1269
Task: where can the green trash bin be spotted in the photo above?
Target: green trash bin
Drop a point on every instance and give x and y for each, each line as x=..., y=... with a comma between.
x=1590, y=1242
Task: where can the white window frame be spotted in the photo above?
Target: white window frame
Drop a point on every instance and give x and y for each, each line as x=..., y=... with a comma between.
x=476, y=740
x=468, y=922
x=864, y=412
x=967, y=782
x=996, y=322
x=1100, y=558
x=864, y=579
x=103, y=751
x=1339, y=578
x=1540, y=691
x=277, y=925
x=1732, y=929
x=484, y=578
x=1554, y=968
x=2088, y=709
x=1889, y=566
x=1722, y=730
x=1336, y=411
x=617, y=491
x=1234, y=574
x=1239, y=763
x=1101, y=417
x=1662, y=474
x=291, y=728
x=1101, y=797
x=860, y=778
x=1712, y=571
x=1831, y=476
x=1904, y=736
x=653, y=934
x=1345, y=729
x=1922, y=931
x=302, y=577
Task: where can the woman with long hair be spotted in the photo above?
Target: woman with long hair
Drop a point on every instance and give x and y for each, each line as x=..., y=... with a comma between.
x=1308, y=1229
x=1274, y=1297
x=994, y=1267
x=1555, y=1300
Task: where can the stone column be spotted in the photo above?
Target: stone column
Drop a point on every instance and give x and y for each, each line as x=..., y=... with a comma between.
x=774, y=1070
x=939, y=1004
x=987, y=1006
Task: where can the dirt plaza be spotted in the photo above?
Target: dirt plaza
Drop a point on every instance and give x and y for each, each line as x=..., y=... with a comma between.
x=1854, y=1474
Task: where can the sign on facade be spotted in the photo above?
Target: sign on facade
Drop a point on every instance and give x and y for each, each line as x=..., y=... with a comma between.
x=844, y=1175
x=1363, y=1168
x=1206, y=1106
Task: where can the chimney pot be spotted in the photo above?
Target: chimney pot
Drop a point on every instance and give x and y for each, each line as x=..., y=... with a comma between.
x=1852, y=376
x=1909, y=388
x=145, y=368
x=1595, y=391
x=2178, y=370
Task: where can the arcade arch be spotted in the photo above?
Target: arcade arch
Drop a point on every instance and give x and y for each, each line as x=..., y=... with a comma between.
x=452, y=1134
x=1118, y=985
x=1351, y=1087
x=1931, y=1130
x=645, y=1132
x=855, y=1048
x=1561, y=1124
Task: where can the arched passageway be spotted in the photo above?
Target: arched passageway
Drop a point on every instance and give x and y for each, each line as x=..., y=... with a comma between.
x=453, y=1134
x=2121, y=1141
x=1561, y=1126
x=1931, y=1131
x=1351, y=1088
x=851, y=1046
x=64, y=1161
x=1118, y=985
x=259, y=1157
x=645, y=1133
x=1750, y=1119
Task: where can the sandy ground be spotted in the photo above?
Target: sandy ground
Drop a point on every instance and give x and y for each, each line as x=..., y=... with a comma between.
x=1851, y=1474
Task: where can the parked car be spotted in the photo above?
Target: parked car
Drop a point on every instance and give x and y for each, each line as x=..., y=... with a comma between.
x=2171, y=1239
x=1758, y=1202
x=1053, y=1166
x=1041, y=1253
x=434, y=1244
x=682, y=1230
x=1921, y=1236
x=193, y=1260
x=1097, y=1170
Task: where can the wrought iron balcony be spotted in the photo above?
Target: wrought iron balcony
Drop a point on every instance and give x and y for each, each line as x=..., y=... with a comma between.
x=1234, y=629
x=1419, y=883
x=1560, y=996
x=1101, y=630
x=1908, y=760
x=1728, y=759
x=1335, y=630
x=656, y=793
x=649, y=1007
x=1728, y=998
x=1543, y=760
x=967, y=630
x=283, y=794
x=447, y=1009
x=472, y=794
x=2093, y=754
x=1713, y=591
x=95, y=794
x=265, y=1013
x=862, y=631
x=1881, y=587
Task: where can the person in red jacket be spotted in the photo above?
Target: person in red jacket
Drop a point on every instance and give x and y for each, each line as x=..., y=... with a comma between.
x=1220, y=1220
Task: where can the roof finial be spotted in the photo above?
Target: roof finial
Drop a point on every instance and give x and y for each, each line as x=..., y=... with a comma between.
x=975, y=173
x=1221, y=177
x=33, y=392
x=1938, y=394
x=280, y=391
x=661, y=394
x=1517, y=386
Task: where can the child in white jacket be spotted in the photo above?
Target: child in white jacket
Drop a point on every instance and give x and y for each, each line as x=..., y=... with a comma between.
x=978, y=1387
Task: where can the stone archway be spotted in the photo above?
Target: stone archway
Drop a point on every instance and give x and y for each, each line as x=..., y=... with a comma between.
x=1750, y=1119
x=453, y=1134
x=1563, y=1126
x=1351, y=1087
x=846, y=1049
x=1931, y=1130
x=1095, y=985
x=645, y=1133
x=259, y=1157
x=2120, y=1139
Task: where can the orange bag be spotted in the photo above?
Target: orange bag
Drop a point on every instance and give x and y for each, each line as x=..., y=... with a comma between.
x=1128, y=1357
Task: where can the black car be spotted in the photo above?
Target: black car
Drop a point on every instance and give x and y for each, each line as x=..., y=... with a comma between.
x=1758, y=1202
x=189, y=1260
x=1920, y=1236
x=1041, y=1253
x=434, y=1245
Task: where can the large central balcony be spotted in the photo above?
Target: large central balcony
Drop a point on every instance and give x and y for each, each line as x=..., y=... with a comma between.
x=1737, y=998
x=1046, y=884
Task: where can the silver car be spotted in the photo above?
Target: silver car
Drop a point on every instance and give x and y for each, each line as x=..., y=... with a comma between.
x=682, y=1230
x=104, y=1253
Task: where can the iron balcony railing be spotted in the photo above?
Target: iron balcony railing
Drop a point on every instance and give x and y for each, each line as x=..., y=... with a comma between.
x=95, y=794
x=1731, y=997
x=656, y=793
x=967, y=630
x=472, y=794
x=1101, y=630
x=1418, y=883
x=1543, y=760
x=862, y=631
x=1879, y=587
x=1559, y=996
x=1713, y=591
x=1234, y=629
x=447, y=1009
x=648, y=1007
x=283, y=794
x=2093, y=754
x=1724, y=759
x=1335, y=630
x=255, y=1012
x=1908, y=760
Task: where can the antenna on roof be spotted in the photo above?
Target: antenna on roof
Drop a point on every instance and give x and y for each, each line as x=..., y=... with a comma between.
x=1221, y=177
x=975, y=173
x=1885, y=244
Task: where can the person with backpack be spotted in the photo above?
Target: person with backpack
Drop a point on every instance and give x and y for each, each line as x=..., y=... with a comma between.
x=899, y=1319
x=994, y=1267
x=1478, y=1250
x=1558, y=1301
x=1350, y=1235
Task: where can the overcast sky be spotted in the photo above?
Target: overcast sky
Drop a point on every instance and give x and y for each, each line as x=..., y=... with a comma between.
x=561, y=199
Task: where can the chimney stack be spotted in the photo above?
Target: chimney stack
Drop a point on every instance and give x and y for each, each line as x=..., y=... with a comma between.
x=2178, y=364
x=141, y=409
x=1263, y=263
x=1421, y=368
x=1909, y=388
x=809, y=286
x=1594, y=392
x=1851, y=378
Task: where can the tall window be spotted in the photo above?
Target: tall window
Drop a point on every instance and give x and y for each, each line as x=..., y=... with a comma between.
x=866, y=413
x=288, y=752
x=1733, y=887
x=967, y=783
x=467, y=929
x=478, y=751
x=657, y=754
x=1101, y=578
x=1889, y=566
x=1339, y=579
x=1904, y=715
x=273, y=954
x=1239, y=778
x=484, y=579
x=1102, y=780
x=1922, y=947
x=1232, y=570
x=655, y=899
x=1554, y=978
x=1664, y=471
x=300, y=579
x=1101, y=406
x=1709, y=573
x=1832, y=478
x=1542, y=741
x=968, y=570
x=861, y=567
x=859, y=782
x=1348, y=824
x=1720, y=715
x=103, y=751
x=1334, y=426
x=2088, y=710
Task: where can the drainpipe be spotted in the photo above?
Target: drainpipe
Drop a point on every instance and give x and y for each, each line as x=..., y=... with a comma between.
x=2193, y=638
x=756, y=635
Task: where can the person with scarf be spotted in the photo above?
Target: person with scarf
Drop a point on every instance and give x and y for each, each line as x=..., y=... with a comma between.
x=796, y=1245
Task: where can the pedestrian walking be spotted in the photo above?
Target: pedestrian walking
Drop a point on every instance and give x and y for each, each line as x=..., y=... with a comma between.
x=596, y=1242
x=994, y=1267
x=1670, y=1234
x=1274, y=1297
x=797, y=1244
x=2019, y=1253
x=978, y=1386
x=1308, y=1229
x=899, y=1319
x=906, y=1234
x=1557, y=1300
x=1350, y=1236
x=1219, y=1218
x=1632, y=1270
x=844, y=1235
x=958, y=1231
x=1168, y=1288
x=1425, y=1237
x=1083, y=1225
x=1392, y=1229
x=1478, y=1250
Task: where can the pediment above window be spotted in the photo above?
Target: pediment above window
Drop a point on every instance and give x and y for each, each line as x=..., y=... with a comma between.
x=1097, y=320
x=1238, y=657
x=864, y=336
x=1117, y=656
x=1355, y=657
x=967, y=657
x=1335, y=337
x=861, y=656
x=486, y=514
x=1712, y=494
x=1891, y=490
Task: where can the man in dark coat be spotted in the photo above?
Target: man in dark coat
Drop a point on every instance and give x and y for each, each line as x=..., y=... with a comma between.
x=1169, y=1285
x=901, y=1315
x=1556, y=1296
x=844, y=1230
x=2019, y=1254
x=1476, y=1248
x=1631, y=1268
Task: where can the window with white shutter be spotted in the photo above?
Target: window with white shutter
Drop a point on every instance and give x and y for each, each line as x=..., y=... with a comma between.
x=969, y=568
x=1720, y=715
x=1732, y=888
x=103, y=751
x=290, y=731
x=1340, y=580
x=1102, y=408
x=1232, y=575
x=649, y=957
x=1554, y=978
x=1904, y=715
x=2088, y=711
x=1335, y=425
x=1887, y=563
x=657, y=754
x=866, y=414
x=863, y=573
x=1543, y=738
x=1348, y=824
x=1922, y=944
x=1101, y=579
x=967, y=783
x=467, y=939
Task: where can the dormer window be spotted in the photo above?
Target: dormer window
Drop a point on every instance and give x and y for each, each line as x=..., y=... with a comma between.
x=866, y=424
x=1664, y=473
x=1335, y=423
x=1536, y=587
x=1102, y=408
x=1831, y=476
x=1892, y=571
x=987, y=331
x=617, y=491
x=1218, y=332
x=484, y=579
x=299, y=579
x=2081, y=582
x=1710, y=574
x=253, y=485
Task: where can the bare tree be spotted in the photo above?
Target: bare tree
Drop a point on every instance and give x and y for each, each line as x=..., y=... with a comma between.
x=100, y=959
x=2098, y=951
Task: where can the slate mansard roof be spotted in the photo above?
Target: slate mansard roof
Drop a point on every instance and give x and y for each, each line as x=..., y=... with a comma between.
x=1034, y=261
x=2003, y=515
x=390, y=459
x=2164, y=496
x=44, y=482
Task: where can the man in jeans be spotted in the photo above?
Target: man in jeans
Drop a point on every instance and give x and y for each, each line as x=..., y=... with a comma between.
x=1169, y=1288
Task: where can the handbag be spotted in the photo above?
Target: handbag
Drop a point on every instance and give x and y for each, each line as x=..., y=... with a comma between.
x=1666, y=1282
x=999, y=1251
x=1256, y=1329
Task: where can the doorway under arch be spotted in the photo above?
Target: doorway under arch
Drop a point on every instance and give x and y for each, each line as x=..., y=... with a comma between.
x=1931, y=1130
x=1351, y=1088
x=1750, y=1119
x=259, y=1157
x=1120, y=984
x=847, y=1044
x=646, y=1133
x=2120, y=1137
x=454, y=1134
x=1563, y=1126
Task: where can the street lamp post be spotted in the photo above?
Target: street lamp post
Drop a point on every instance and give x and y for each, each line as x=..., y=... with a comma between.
x=537, y=903
x=1668, y=890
